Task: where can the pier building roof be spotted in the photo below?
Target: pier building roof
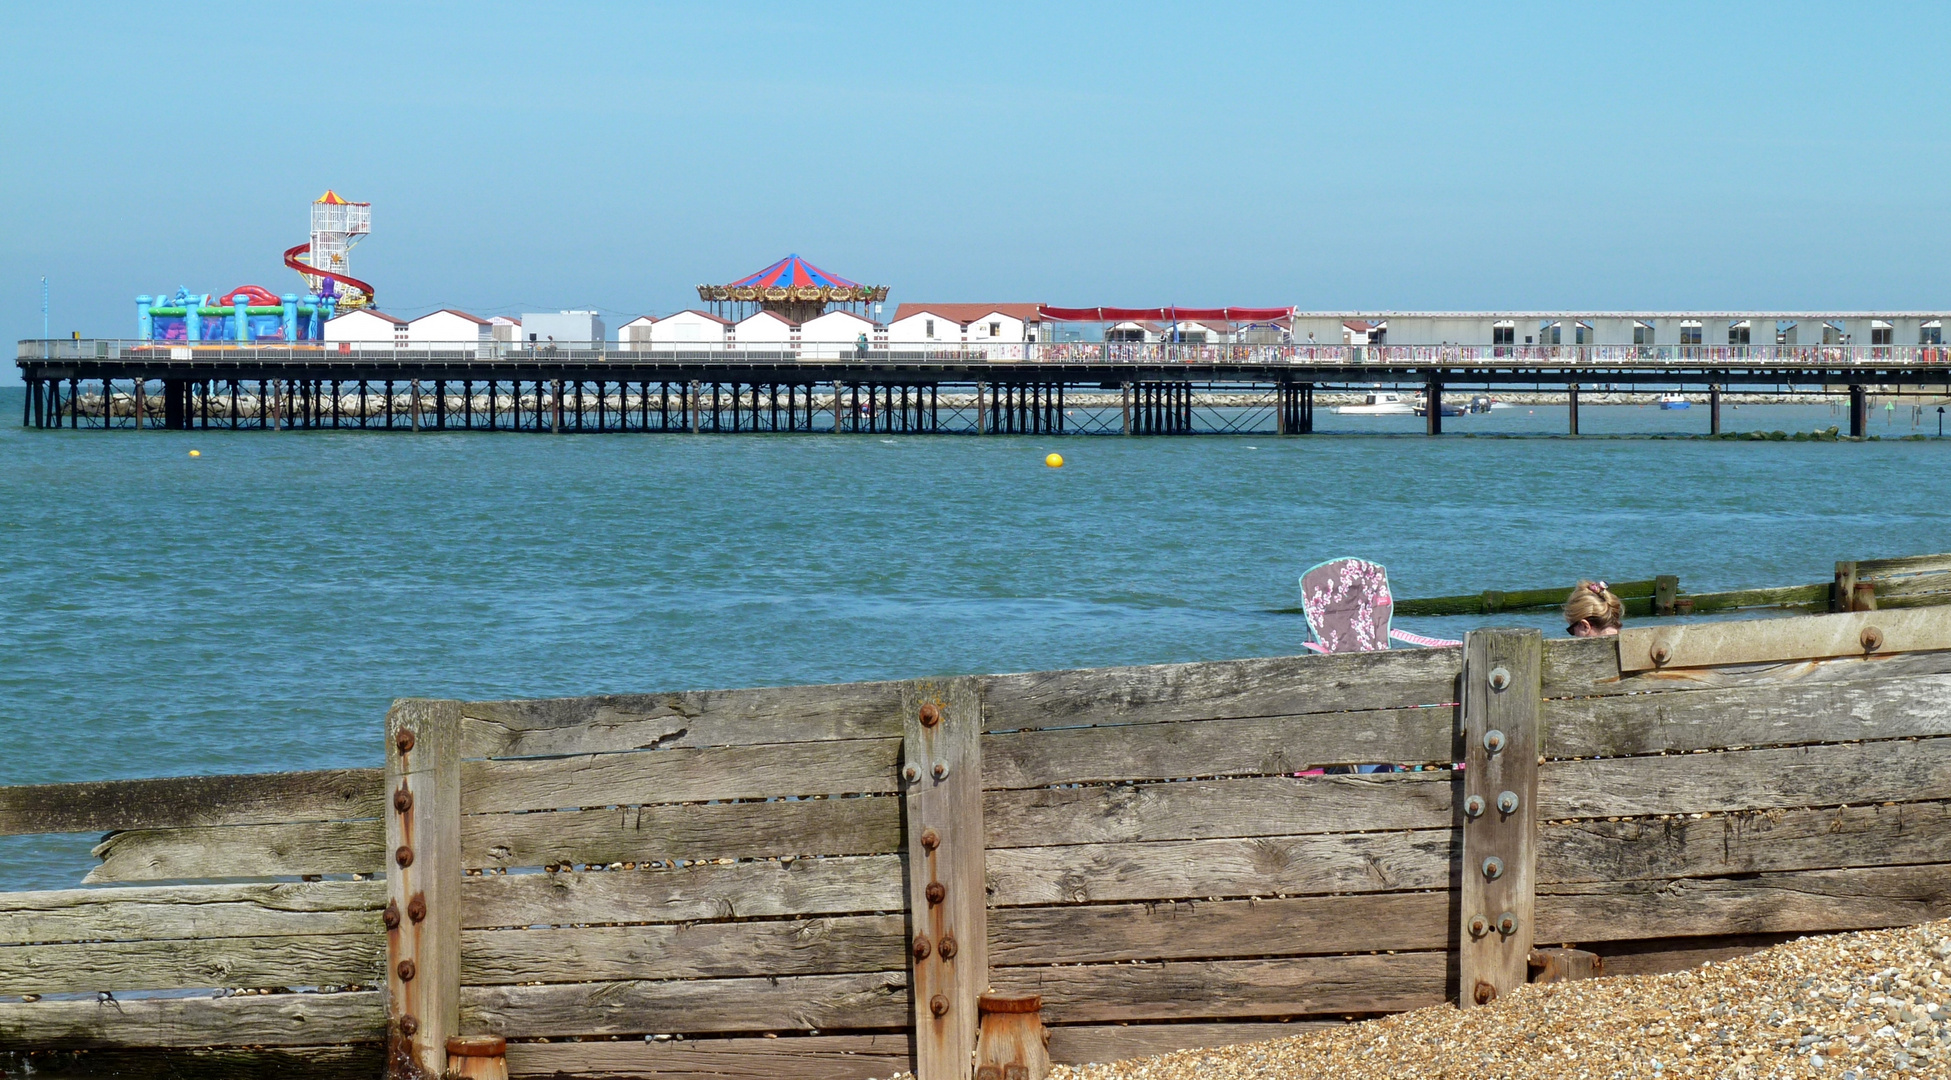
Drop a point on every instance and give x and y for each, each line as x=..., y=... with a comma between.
x=968, y=313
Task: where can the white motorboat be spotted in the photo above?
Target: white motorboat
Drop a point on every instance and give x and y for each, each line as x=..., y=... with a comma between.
x=1379, y=404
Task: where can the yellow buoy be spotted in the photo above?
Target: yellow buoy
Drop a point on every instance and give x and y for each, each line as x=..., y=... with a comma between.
x=1055, y=461
x=196, y=453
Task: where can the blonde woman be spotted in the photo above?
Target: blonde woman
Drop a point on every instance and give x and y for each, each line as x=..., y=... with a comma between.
x=1592, y=611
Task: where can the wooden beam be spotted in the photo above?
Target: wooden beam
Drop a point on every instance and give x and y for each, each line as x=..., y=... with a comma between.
x=1759, y=641
x=1501, y=718
x=947, y=902
x=423, y=882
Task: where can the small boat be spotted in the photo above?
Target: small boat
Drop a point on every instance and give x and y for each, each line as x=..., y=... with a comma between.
x=1675, y=401
x=1422, y=408
x=1380, y=404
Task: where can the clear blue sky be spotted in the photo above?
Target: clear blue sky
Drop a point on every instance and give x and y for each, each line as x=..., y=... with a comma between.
x=532, y=156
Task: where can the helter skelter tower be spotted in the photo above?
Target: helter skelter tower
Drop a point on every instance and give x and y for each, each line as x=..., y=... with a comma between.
x=336, y=226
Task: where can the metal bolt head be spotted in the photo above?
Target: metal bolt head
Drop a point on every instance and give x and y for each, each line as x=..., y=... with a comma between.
x=404, y=740
x=1485, y=994
x=938, y=1005
x=1661, y=654
x=948, y=947
x=930, y=839
x=931, y=714
x=1493, y=740
x=391, y=916
x=1507, y=924
x=1507, y=802
x=1473, y=806
x=404, y=856
x=1493, y=868
x=1499, y=678
x=921, y=947
x=1479, y=926
x=409, y=1025
x=403, y=799
x=936, y=892
x=1872, y=639
x=941, y=770
x=407, y=971
x=911, y=773
x=416, y=908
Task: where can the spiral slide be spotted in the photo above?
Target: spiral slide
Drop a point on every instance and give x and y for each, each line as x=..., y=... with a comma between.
x=291, y=260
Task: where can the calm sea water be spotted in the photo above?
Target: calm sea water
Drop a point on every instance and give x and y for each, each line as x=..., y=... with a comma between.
x=257, y=607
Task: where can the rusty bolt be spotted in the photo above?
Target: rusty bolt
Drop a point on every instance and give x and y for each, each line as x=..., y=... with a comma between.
x=403, y=799
x=938, y=1005
x=1493, y=740
x=931, y=839
x=391, y=916
x=1507, y=924
x=1507, y=802
x=407, y=971
x=1872, y=639
x=403, y=856
x=941, y=770
x=1473, y=807
x=911, y=773
x=1499, y=678
x=404, y=740
x=930, y=715
x=948, y=947
x=922, y=947
x=1479, y=926
x=408, y=1025
x=1486, y=993
x=936, y=892
x=1661, y=654
x=416, y=908
x=1493, y=868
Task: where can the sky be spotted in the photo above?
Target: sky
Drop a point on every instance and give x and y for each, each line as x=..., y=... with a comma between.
x=1352, y=156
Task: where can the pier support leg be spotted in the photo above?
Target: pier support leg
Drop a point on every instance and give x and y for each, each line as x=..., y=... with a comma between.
x=176, y=413
x=1714, y=409
x=1571, y=399
x=1433, y=407
x=1307, y=408
x=1859, y=412
x=555, y=407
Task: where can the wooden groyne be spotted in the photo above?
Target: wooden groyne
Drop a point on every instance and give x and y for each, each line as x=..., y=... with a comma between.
x=826, y=881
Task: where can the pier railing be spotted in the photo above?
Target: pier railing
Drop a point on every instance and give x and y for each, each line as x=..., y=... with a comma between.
x=823, y=881
x=1276, y=354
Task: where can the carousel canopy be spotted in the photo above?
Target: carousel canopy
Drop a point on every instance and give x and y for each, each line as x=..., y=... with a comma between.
x=793, y=279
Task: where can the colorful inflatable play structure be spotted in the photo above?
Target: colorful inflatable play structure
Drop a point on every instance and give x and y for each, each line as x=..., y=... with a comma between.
x=252, y=313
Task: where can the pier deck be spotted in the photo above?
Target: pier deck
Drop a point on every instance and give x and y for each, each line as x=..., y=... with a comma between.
x=1068, y=388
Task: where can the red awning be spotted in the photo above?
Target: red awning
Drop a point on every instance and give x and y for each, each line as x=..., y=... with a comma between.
x=1167, y=314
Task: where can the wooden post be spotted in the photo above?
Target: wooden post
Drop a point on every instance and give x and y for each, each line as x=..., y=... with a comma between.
x=1502, y=686
x=947, y=902
x=1571, y=398
x=1843, y=597
x=1666, y=594
x=1433, y=406
x=836, y=407
x=1859, y=412
x=423, y=883
x=1714, y=409
x=1283, y=403
x=555, y=406
x=139, y=404
x=1013, y=1042
x=1124, y=403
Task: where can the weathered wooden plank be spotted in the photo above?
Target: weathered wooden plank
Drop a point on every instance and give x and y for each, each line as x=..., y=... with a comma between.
x=1502, y=717
x=1491, y=601
x=820, y=946
x=834, y=886
x=175, y=802
x=240, y=851
x=1872, y=707
x=423, y=885
x=358, y=1062
x=1259, y=866
x=303, y=960
x=689, y=1006
x=1792, y=776
x=1219, y=988
x=841, y=767
x=1584, y=667
x=162, y=912
x=1812, y=901
x=1080, y=1044
x=1745, y=843
x=1254, y=746
x=1275, y=686
x=1206, y=929
x=804, y=1057
x=1758, y=641
x=941, y=752
x=586, y=725
x=1877, y=569
x=1211, y=809
x=1680, y=954
x=746, y=830
x=257, y=1020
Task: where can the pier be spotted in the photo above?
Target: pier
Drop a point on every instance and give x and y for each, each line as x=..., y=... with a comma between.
x=1056, y=388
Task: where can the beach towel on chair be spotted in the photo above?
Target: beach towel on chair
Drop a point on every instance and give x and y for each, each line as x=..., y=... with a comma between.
x=1349, y=608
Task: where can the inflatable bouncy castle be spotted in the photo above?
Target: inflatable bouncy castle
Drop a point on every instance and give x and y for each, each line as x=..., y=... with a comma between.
x=245, y=314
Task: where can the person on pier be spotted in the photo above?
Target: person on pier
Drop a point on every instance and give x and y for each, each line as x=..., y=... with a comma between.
x=1592, y=611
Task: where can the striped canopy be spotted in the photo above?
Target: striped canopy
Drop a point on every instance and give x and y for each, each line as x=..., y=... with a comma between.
x=793, y=271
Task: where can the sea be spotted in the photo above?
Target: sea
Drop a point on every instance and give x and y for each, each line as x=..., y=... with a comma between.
x=257, y=606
